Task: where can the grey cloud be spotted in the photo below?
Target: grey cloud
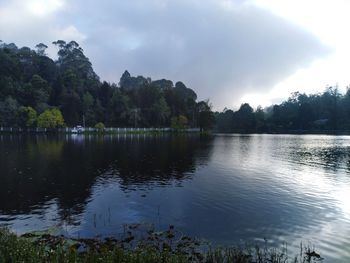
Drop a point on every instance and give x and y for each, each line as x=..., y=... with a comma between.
x=220, y=53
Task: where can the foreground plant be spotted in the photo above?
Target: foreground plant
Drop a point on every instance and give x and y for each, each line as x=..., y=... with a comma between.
x=161, y=247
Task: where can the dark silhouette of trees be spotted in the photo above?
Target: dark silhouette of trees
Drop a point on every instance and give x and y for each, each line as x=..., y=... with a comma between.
x=327, y=111
x=205, y=117
x=26, y=117
x=34, y=83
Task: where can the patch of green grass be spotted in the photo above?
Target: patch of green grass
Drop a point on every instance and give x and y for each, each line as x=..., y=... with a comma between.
x=33, y=249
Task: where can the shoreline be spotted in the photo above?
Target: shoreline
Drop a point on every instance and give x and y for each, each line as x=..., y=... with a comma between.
x=117, y=131
x=89, y=131
x=165, y=247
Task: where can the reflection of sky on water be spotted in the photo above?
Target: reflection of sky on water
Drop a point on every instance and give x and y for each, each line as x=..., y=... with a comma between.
x=310, y=176
x=226, y=190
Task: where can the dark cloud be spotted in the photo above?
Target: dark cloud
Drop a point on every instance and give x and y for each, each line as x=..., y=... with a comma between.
x=221, y=49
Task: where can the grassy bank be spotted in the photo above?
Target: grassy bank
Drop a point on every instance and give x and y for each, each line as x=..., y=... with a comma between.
x=46, y=248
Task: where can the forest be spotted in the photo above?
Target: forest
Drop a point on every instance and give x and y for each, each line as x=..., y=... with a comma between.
x=37, y=91
x=327, y=111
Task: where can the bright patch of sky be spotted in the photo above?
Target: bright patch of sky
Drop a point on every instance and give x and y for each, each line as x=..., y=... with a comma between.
x=328, y=21
x=43, y=7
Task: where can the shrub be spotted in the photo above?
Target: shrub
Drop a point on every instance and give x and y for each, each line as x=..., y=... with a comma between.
x=100, y=126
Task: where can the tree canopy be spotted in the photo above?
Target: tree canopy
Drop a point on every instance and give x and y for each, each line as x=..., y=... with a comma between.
x=326, y=111
x=51, y=119
x=33, y=84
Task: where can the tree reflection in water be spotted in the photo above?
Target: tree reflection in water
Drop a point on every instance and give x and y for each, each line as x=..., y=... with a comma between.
x=37, y=169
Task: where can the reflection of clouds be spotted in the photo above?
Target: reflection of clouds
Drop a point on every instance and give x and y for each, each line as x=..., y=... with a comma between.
x=297, y=186
x=343, y=195
x=326, y=151
x=320, y=169
x=329, y=238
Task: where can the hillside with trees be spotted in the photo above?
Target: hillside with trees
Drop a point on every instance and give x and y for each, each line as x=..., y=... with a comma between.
x=37, y=91
x=323, y=112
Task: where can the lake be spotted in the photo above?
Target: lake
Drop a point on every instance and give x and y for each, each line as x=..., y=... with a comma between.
x=226, y=189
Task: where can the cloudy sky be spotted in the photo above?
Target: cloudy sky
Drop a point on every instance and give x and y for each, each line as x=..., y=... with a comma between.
x=231, y=51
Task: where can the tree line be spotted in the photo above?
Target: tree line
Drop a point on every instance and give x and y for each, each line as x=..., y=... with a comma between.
x=37, y=91
x=326, y=111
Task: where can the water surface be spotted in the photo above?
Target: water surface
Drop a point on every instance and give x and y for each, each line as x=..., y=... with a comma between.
x=226, y=189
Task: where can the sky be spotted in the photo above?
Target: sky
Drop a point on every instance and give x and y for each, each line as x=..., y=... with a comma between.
x=228, y=51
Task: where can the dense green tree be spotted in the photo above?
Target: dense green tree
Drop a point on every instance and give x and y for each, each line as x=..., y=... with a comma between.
x=244, y=119
x=224, y=120
x=9, y=63
x=179, y=122
x=183, y=92
x=206, y=117
x=88, y=109
x=260, y=119
x=8, y=109
x=160, y=112
x=35, y=93
x=105, y=93
x=8, y=87
x=127, y=82
x=99, y=111
x=51, y=119
x=26, y=117
x=40, y=49
x=163, y=84
x=72, y=108
x=100, y=126
x=38, y=91
x=119, y=109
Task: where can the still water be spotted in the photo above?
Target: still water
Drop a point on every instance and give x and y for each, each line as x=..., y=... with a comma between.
x=226, y=189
